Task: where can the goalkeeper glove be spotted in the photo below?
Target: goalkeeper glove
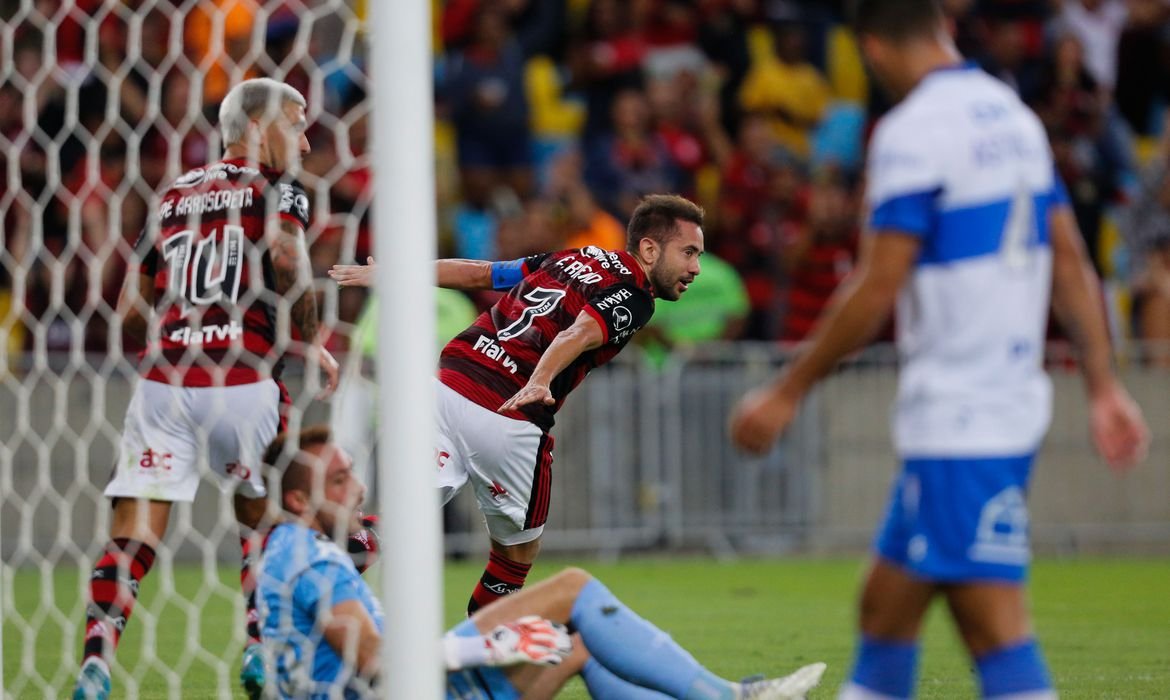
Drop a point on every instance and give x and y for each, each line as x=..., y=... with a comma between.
x=363, y=545
x=529, y=640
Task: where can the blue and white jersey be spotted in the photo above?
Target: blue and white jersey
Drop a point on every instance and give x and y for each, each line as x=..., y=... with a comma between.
x=966, y=166
x=303, y=574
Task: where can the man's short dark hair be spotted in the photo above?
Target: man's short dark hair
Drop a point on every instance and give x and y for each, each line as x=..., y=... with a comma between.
x=657, y=218
x=286, y=465
x=896, y=20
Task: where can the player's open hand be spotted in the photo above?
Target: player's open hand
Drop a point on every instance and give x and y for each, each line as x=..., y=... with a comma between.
x=530, y=394
x=1119, y=431
x=354, y=275
x=759, y=418
x=529, y=640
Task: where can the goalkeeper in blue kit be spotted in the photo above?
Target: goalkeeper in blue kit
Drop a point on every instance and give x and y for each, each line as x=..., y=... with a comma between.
x=321, y=625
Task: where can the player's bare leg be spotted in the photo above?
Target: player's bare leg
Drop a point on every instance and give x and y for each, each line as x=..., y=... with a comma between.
x=631, y=658
x=137, y=527
x=892, y=607
x=893, y=604
x=506, y=571
x=996, y=627
x=251, y=513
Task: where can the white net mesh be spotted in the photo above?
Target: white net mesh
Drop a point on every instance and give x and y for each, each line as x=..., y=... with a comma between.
x=102, y=103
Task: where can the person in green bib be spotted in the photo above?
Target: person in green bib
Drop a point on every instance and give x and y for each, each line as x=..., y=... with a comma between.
x=354, y=407
x=715, y=307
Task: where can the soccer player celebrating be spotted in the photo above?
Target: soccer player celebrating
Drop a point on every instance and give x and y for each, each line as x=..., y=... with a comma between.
x=970, y=232
x=322, y=624
x=503, y=379
x=225, y=243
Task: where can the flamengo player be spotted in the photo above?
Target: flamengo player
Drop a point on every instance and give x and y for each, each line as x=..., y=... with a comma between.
x=503, y=379
x=971, y=232
x=225, y=244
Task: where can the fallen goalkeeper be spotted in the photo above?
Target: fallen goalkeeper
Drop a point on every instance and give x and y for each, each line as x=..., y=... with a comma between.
x=321, y=624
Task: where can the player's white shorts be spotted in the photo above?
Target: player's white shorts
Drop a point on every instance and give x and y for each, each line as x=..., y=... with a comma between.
x=171, y=431
x=507, y=461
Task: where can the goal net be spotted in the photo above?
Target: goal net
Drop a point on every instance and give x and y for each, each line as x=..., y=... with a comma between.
x=102, y=104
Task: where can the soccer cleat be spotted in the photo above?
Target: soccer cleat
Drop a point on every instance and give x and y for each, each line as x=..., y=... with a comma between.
x=93, y=683
x=790, y=687
x=252, y=671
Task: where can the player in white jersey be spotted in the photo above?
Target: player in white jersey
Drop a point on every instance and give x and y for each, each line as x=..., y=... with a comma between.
x=969, y=233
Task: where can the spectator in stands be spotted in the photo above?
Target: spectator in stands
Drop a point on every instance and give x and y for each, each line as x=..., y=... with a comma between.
x=631, y=161
x=822, y=253
x=1143, y=65
x=1097, y=24
x=584, y=222
x=714, y=308
x=483, y=91
x=606, y=59
x=788, y=89
x=686, y=119
x=757, y=205
x=1146, y=228
x=1004, y=54
x=1075, y=111
x=723, y=38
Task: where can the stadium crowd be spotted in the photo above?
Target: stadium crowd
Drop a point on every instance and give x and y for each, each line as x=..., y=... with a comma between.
x=554, y=117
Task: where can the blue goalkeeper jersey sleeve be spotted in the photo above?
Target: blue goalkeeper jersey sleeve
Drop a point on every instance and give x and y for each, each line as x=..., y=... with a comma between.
x=302, y=575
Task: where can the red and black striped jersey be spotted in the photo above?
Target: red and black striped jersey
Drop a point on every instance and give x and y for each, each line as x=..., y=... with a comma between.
x=213, y=279
x=495, y=356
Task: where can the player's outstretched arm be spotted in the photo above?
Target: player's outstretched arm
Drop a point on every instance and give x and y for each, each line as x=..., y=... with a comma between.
x=135, y=302
x=854, y=316
x=451, y=273
x=294, y=281
x=1119, y=431
x=585, y=334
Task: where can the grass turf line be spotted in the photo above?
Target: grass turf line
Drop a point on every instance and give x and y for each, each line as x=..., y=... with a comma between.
x=1104, y=624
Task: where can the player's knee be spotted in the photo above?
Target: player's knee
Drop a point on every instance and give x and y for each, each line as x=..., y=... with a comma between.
x=574, y=578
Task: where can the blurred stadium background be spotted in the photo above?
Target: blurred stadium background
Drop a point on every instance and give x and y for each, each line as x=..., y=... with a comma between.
x=554, y=117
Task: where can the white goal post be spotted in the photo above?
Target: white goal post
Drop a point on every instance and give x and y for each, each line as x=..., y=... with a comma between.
x=103, y=102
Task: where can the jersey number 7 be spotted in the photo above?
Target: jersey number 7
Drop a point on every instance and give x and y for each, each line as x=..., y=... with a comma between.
x=543, y=302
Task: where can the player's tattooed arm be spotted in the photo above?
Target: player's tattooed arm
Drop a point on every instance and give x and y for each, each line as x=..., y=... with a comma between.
x=135, y=304
x=584, y=335
x=293, y=279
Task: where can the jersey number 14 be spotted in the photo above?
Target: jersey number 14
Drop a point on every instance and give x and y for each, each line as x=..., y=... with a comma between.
x=205, y=271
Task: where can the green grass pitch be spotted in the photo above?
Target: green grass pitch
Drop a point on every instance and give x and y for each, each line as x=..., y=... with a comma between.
x=1105, y=624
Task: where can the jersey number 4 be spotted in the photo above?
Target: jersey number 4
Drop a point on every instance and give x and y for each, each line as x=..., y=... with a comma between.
x=205, y=271
x=1019, y=232
x=543, y=302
